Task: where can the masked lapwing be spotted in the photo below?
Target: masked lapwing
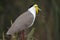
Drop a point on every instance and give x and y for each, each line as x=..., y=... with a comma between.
x=24, y=21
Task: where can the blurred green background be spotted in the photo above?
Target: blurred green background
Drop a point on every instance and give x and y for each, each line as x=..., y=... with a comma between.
x=46, y=24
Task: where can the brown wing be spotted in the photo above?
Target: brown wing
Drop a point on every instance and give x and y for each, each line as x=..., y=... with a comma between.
x=21, y=23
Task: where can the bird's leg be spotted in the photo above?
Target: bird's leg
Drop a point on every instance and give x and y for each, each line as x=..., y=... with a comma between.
x=22, y=35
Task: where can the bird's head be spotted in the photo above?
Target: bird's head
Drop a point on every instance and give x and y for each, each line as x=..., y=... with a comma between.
x=35, y=8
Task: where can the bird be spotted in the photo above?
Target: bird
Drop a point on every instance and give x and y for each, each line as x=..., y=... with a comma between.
x=24, y=21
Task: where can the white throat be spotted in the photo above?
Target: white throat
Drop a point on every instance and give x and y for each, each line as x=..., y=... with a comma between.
x=33, y=11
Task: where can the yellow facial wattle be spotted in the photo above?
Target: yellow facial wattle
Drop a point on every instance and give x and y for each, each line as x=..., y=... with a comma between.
x=37, y=9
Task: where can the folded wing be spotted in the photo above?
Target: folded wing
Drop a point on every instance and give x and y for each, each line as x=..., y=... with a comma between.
x=21, y=23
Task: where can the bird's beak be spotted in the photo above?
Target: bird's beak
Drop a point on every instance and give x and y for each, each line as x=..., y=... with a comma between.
x=37, y=9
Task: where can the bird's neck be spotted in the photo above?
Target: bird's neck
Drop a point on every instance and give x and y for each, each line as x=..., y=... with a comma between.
x=33, y=11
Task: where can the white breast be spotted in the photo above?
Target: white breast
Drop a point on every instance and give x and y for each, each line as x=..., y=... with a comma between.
x=33, y=11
